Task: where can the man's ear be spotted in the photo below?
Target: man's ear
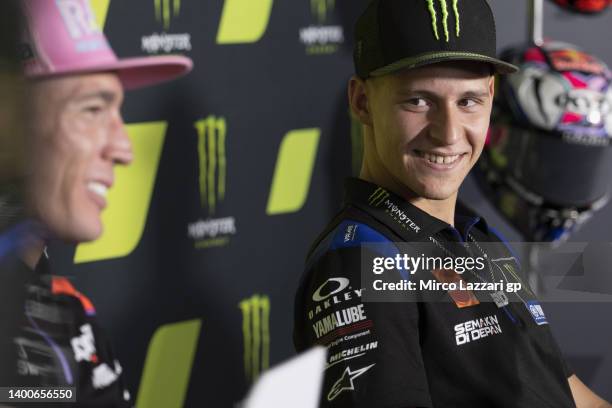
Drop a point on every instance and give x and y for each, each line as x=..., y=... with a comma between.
x=493, y=85
x=358, y=100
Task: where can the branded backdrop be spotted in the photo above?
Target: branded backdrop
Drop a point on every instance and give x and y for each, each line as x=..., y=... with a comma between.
x=238, y=167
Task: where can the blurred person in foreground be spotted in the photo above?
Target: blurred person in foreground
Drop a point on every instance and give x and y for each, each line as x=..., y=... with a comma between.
x=11, y=175
x=11, y=117
x=75, y=136
x=423, y=92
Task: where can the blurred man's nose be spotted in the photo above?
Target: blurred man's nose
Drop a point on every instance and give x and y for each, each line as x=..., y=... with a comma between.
x=446, y=126
x=119, y=148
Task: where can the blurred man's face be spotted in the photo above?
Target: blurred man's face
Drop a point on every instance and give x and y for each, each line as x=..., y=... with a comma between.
x=77, y=137
x=428, y=125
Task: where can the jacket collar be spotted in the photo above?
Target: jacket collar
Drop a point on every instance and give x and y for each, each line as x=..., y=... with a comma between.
x=405, y=219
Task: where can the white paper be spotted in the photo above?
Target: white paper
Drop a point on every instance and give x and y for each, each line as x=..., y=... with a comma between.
x=295, y=383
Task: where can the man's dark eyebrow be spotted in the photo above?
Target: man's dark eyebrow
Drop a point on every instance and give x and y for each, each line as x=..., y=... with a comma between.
x=417, y=92
x=476, y=94
x=432, y=95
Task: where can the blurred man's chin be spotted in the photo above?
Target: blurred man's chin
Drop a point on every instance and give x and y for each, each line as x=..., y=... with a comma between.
x=85, y=231
x=91, y=234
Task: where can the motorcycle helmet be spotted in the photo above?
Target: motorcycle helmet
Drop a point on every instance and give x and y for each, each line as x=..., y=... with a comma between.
x=547, y=159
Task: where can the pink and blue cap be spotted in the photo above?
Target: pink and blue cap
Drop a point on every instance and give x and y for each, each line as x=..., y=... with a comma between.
x=63, y=38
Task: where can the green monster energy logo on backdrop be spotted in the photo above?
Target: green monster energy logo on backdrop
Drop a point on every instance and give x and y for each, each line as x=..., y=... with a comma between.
x=164, y=11
x=378, y=197
x=256, y=334
x=434, y=17
x=321, y=7
x=211, y=152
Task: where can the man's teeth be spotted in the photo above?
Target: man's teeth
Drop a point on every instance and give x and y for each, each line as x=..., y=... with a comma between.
x=98, y=188
x=432, y=158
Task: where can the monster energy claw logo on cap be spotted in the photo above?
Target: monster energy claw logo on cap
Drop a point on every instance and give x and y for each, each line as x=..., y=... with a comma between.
x=431, y=4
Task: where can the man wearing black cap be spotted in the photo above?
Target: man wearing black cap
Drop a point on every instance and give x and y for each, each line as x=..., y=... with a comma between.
x=423, y=93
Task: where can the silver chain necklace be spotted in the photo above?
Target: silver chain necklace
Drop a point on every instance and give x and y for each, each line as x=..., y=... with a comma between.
x=448, y=252
x=499, y=297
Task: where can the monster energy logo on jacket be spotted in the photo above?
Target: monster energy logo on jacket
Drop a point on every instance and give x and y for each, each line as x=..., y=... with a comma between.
x=444, y=4
x=378, y=197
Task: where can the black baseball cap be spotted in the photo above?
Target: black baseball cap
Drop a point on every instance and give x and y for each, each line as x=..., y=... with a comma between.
x=396, y=34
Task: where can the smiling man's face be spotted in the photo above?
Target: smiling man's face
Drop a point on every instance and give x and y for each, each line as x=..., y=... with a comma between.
x=77, y=136
x=428, y=126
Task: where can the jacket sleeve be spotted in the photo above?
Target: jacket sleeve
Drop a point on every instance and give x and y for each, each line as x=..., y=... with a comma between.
x=99, y=376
